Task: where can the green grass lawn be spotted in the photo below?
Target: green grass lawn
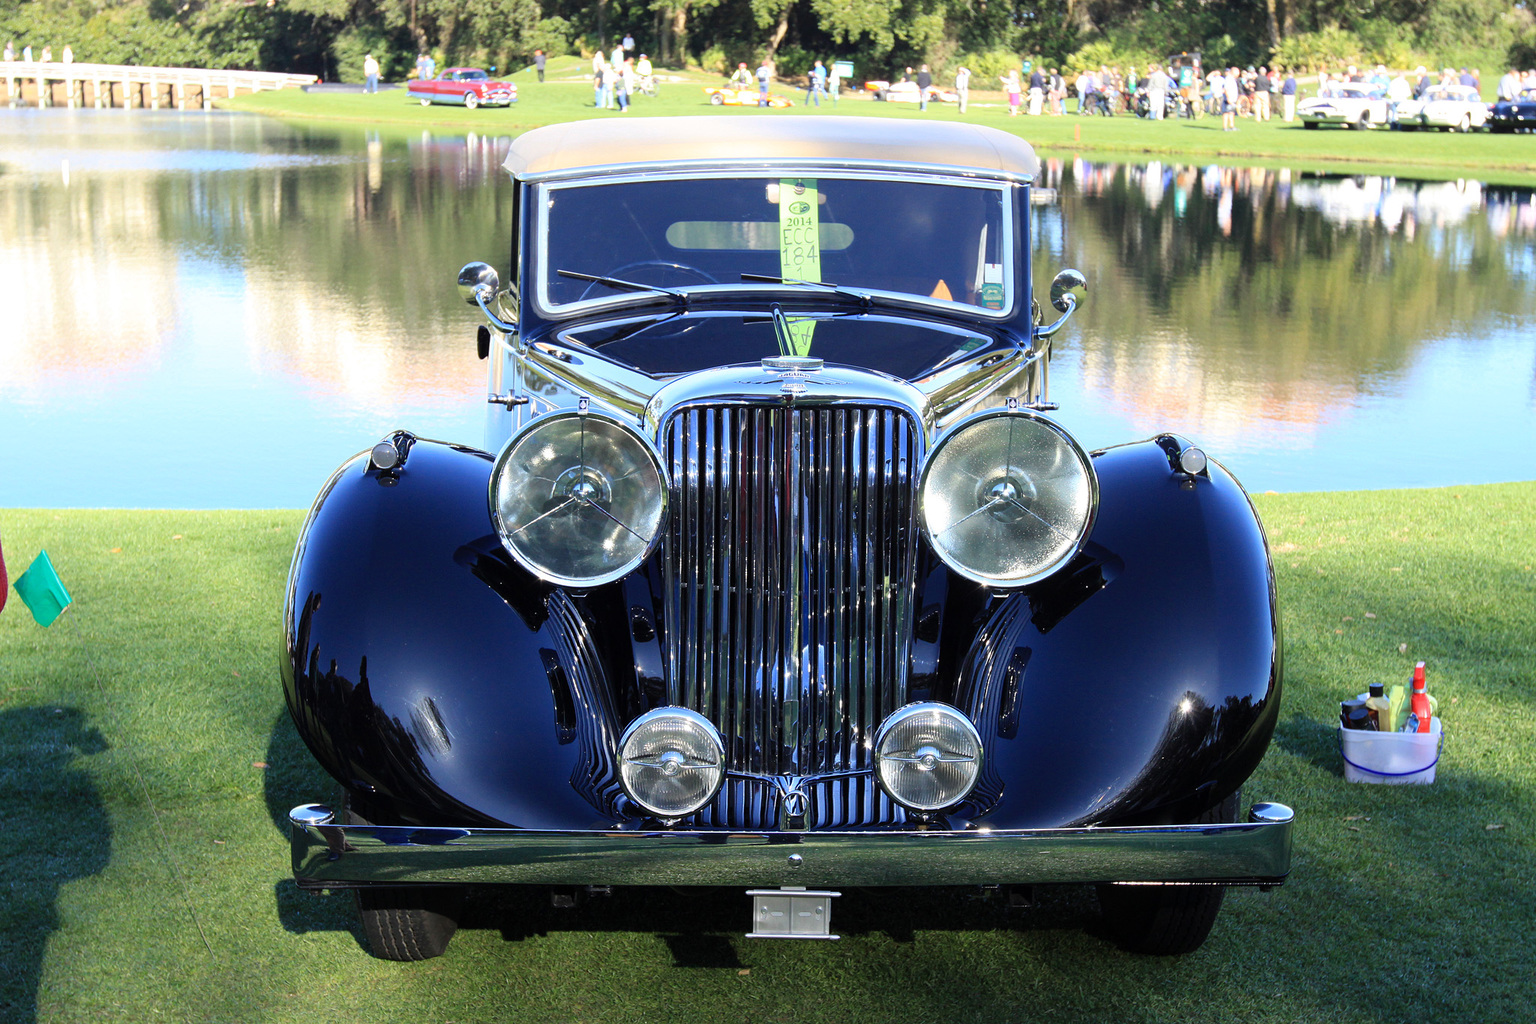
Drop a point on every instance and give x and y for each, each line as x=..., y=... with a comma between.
x=147, y=762
x=567, y=95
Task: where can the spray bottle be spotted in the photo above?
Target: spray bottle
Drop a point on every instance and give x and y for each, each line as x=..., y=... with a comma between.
x=1422, y=707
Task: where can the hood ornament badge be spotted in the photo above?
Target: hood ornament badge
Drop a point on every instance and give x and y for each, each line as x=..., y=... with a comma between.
x=792, y=370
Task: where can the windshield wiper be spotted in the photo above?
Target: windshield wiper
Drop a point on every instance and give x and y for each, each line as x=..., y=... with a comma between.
x=622, y=285
x=864, y=299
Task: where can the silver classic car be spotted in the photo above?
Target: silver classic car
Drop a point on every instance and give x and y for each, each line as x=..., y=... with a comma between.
x=774, y=570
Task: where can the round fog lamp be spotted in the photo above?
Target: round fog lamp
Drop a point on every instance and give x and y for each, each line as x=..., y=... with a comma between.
x=927, y=756
x=1007, y=498
x=578, y=498
x=672, y=761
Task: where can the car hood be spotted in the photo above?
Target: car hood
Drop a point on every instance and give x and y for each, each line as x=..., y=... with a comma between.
x=906, y=347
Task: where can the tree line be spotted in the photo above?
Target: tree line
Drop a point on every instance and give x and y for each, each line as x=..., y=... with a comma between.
x=329, y=38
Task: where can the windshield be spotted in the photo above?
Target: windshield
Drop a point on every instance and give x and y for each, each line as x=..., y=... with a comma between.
x=931, y=239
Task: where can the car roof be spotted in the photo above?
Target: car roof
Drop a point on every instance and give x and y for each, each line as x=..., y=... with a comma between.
x=757, y=139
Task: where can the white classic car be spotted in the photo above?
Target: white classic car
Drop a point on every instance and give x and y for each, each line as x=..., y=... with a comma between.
x=1444, y=106
x=908, y=92
x=1353, y=105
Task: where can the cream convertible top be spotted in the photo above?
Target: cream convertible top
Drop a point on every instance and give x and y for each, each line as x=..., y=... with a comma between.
x=777, y=138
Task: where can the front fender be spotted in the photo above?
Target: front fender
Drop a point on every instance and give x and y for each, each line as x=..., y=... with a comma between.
x=430, y=674
x=1142, y=683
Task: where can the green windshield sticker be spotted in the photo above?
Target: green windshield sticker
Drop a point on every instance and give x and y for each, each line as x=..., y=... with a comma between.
x=800, y=246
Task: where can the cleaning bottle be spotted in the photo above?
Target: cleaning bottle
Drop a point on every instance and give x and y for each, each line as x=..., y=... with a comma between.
x=1397, y=708
x=1422, y=710
x=1376, y=700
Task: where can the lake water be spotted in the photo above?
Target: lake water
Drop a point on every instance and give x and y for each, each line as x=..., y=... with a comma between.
x=206, y=311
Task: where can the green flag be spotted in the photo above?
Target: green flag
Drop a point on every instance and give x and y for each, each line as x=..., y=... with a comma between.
x=41, y=590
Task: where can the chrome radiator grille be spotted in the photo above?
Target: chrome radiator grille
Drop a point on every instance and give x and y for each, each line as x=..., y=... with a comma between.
x=789, y=587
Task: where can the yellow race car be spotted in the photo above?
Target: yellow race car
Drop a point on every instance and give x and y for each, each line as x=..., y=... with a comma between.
x=732, y=97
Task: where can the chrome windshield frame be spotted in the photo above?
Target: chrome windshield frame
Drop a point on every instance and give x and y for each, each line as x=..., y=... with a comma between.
x=542, y=186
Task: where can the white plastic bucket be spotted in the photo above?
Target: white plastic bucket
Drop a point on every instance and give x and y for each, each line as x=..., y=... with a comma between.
x=1391, y=758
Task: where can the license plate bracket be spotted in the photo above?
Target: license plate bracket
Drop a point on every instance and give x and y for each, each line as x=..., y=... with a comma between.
x=792, y=913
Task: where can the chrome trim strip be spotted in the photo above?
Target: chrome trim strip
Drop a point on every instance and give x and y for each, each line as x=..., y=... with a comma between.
x=336, y=856
x=794, y=166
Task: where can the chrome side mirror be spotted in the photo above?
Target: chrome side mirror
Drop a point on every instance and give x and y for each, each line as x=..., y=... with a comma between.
x=1061, y=289
x=1063, y=299
x=480, y=286
x=478, y=283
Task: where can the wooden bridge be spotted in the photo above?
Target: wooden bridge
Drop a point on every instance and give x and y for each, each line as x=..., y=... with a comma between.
x=56, y=84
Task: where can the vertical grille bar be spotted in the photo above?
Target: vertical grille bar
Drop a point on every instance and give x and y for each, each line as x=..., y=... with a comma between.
x=789, y=565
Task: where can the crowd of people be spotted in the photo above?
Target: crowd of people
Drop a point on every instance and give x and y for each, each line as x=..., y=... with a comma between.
x=66, y=56
x=1186, y=89
x=1158, y=92
x=616, y=76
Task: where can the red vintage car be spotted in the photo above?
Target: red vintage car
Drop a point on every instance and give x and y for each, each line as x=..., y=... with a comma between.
x=471, y=87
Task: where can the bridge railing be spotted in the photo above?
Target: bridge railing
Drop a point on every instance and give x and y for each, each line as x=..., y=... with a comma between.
x=55, y=83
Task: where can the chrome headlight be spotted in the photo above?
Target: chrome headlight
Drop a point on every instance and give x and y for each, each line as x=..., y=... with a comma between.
x=1007, y=498
x=578, y=498
x=927, y=756
x=672, y=761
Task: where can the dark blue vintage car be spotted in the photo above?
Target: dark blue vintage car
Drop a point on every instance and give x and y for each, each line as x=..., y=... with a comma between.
x=1517, y=114
x=774, y=571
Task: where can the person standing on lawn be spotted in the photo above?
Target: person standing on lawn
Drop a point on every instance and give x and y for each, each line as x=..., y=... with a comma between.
x=963, y=86
x=1263, y=86
x=924, y=83
x=538, y=63
x=370, y=74
x=1157, y=93
x=1229, y=106
x=1398, y=91
x=1012, y=88
x=764, y=76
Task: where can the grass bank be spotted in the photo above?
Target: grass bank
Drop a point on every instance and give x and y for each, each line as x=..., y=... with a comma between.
x=147, y=762
x=567, y=95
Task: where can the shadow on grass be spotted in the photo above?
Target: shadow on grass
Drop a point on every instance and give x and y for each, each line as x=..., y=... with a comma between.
x=1312, y=741
x=41, y=789
x=293, y=778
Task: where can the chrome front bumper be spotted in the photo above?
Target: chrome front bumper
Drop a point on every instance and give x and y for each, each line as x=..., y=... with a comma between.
x=331, y=856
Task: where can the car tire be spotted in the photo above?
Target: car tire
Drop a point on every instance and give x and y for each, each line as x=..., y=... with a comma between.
x=716, y=100
x=1364, y=124
x=411, y=923
x=1465, y=125
x=426, y=102
x=407, y=923
x=471, y=101
x=1166, y=920
x=1309, y=124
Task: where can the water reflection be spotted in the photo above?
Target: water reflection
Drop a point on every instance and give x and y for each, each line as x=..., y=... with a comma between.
x=1311, y=328
x=250, y=302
